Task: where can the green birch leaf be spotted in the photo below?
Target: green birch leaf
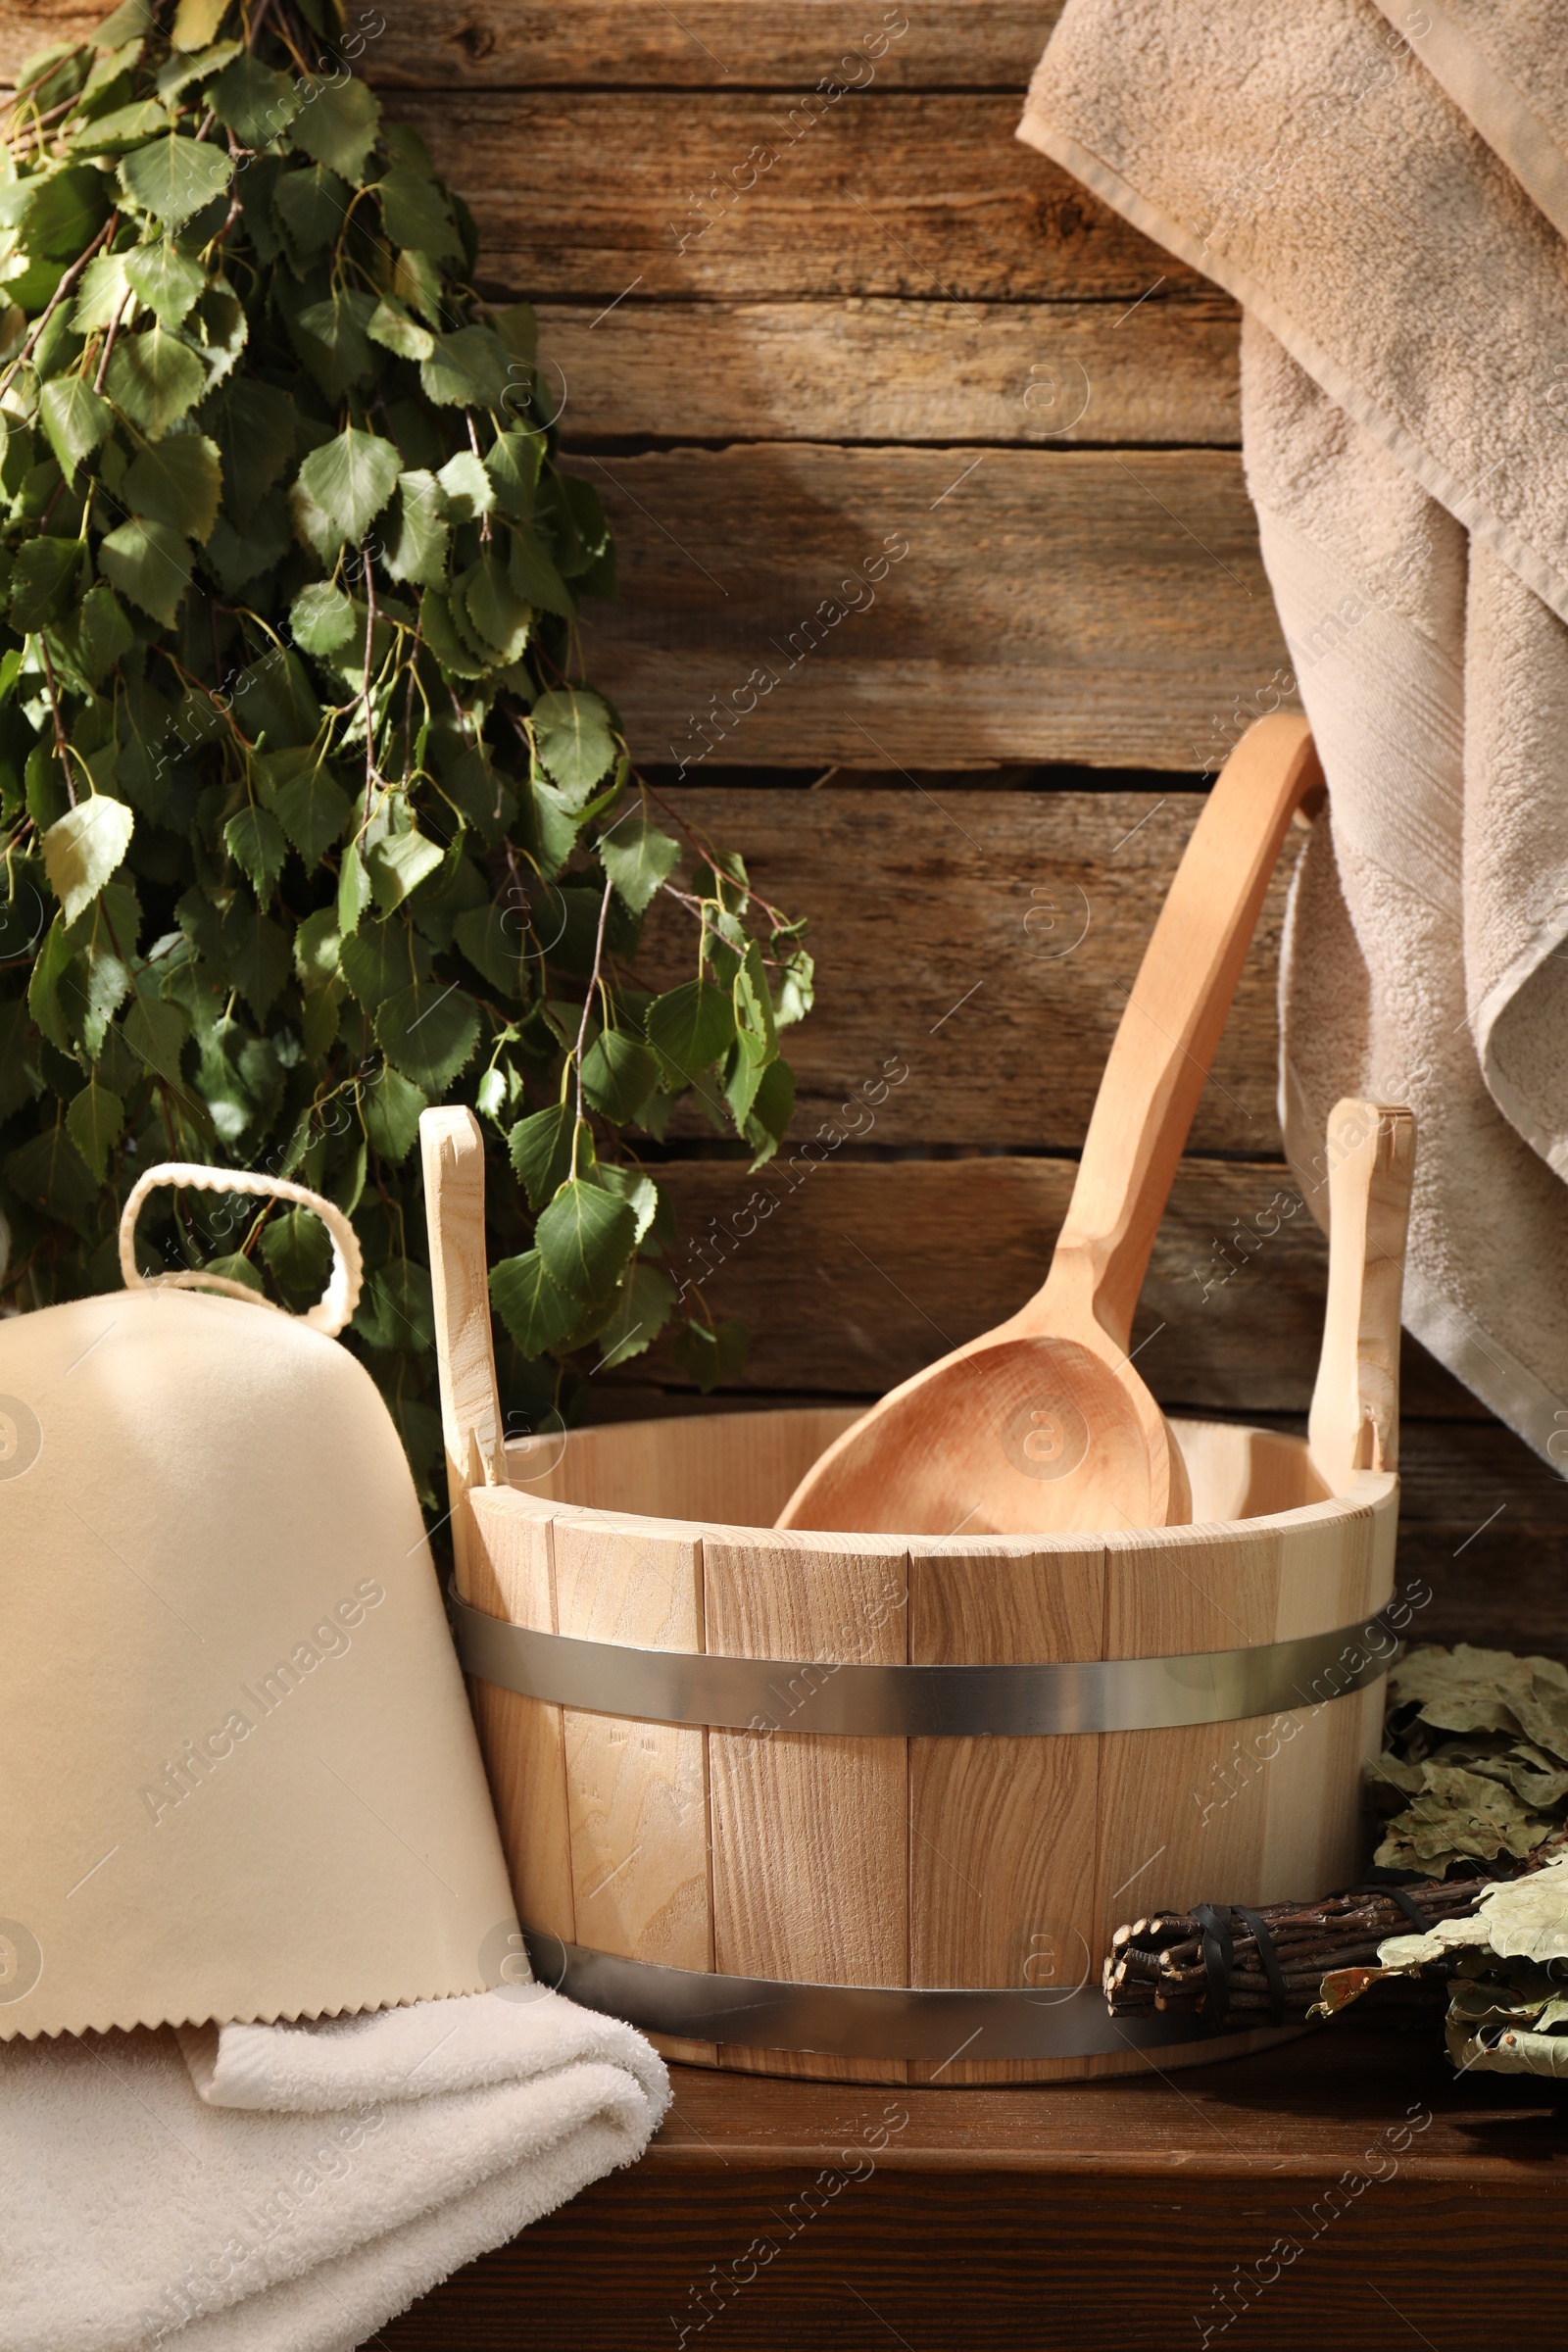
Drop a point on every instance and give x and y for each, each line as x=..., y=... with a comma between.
x=298, y=1249
x=537, y=1313
x=378, y=960
x=256, y=952
x=794, y=1000
x=638, y=859
x=466, y=370
x=556, y=827
x=313, y=530
x=54, y=974
x=430, y=1031
x=255, y=104
x=308, y=803
x=350, y=479
x=50, y=1174
x=99, y=984
x=391, y=326
x=58, y=214
x=223, y=330
x=756, y=1040
x=254, y=839
x=352, y=891
x=93, y=638
x=541, y=1151
x=273, y=697
x=630, y=1183
x=713, y=1357
x=317, y=944
x=236, y=1266
x=83, y=849
x=154, y=379
x=417, y=281
x=338, y=127
x=571, y=729
x=500, y=617
x=179, y=482
x=534, y=576
x=100, y=293
x=415, y=212
x=149, y=563
x=96, y=1120
x=43, y=580
x=390, y=1106
x=167, y=280
x=644, y=1304
x=75, y=418
x=124, y=127
x=196, y=24
x=689, y=1028
x=585, y=1236
x=309, y=206
x=107, y=985
x=582, y=534
x=494, y=947
x=256, y=205
x=441, y=636
x=254, y=426
x=416, y=547
x=173, y=178
x=517, y=327
x=512, y=462
x=155, y=1031
x=397, y=864
x=236, y=557
x=619, y=1074
x=772, y=1108
x=469, y=490
x=331, y=338
x=321, y=618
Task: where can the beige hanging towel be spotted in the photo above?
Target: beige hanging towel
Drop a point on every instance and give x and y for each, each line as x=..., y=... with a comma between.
x=1384, y=190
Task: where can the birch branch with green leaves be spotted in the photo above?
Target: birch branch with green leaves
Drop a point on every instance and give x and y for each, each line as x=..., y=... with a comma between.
x=308, y=815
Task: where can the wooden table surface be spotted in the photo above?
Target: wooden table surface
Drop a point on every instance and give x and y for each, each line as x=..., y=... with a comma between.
x=1345, y=2189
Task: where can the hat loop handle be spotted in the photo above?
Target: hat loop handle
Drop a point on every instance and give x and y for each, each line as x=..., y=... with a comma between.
x=342, y=1294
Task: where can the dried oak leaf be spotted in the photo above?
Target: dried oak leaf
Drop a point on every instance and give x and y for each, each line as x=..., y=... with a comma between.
x=1458, y=1813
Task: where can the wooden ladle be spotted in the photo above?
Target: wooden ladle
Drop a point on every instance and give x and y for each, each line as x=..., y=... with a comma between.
x=1043, y=1424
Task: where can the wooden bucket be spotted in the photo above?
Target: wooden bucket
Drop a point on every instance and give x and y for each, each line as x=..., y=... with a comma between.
x=868, y=1809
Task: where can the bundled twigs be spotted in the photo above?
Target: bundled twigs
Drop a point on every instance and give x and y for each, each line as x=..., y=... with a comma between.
x=1179, y=1960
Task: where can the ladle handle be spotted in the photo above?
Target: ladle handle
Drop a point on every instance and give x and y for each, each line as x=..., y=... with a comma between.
x=1354, y=1424
x=1171, y=1026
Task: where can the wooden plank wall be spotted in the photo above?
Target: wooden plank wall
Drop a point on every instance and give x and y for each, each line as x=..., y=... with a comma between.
x=807, y=302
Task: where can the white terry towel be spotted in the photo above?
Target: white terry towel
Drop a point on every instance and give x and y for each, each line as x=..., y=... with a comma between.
x=289, y=2188
x=1384, y=190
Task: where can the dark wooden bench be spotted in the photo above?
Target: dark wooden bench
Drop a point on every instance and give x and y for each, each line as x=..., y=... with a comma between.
x=1343, y=2193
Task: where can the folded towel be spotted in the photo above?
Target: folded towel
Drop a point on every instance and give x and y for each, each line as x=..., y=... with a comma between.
x=289, y=2188
x=1384, y=190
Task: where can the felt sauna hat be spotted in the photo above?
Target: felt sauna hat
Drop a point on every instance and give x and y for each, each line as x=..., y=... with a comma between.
x=239, y=1776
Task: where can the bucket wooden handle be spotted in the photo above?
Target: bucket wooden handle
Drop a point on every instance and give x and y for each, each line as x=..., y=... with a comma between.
x=342, y=1294
x=1171, y=1025
x=452, y=1153
x=1354, y=1424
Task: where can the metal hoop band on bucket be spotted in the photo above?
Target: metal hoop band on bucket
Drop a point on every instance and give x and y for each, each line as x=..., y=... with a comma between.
x=342, y=1294
x=700, y=1689
x=889, y=2022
